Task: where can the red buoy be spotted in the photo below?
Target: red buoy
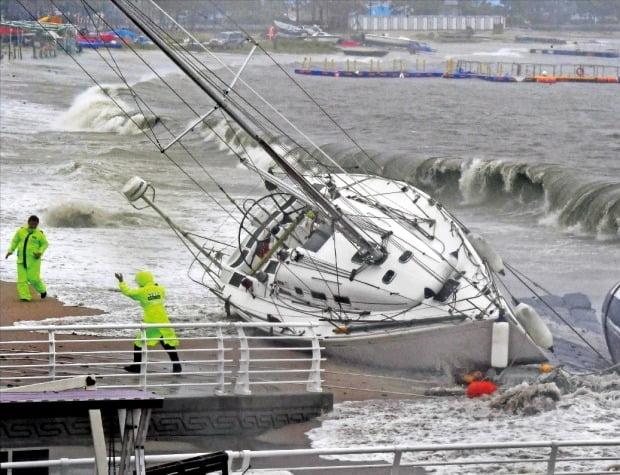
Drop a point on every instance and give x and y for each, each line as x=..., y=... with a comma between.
x=480, y=388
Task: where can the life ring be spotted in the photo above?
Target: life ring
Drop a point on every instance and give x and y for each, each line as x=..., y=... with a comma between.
x=579, y=71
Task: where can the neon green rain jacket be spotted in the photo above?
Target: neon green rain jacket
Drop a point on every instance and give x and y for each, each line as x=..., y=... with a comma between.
x=27, y=243
x=151, y=298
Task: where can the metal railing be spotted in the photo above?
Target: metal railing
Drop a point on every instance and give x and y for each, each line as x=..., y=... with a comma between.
x=549, y=457
x=222, y=358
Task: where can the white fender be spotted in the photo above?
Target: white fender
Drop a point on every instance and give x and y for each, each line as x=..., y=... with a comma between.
x=487, y=252
x=499, y=344
x=535, y=327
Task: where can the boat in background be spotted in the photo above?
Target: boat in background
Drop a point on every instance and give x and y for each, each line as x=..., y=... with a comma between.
x=611, y=323
x=99, y=40
x=313, y=32
x=88, y=41
x=413, y=46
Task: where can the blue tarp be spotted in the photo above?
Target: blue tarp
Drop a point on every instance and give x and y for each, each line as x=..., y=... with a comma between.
x=380, y=10
x=124, y=33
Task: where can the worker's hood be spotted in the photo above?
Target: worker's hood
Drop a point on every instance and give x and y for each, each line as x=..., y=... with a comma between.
x=144, y=278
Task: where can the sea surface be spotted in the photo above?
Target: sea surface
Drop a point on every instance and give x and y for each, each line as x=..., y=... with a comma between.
x=535, y=168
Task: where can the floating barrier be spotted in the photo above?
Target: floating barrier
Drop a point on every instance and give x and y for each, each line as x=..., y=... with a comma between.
x=610, y=53
x=546, y=79
x=370, y=74
x=603, y=79
x=462, y=69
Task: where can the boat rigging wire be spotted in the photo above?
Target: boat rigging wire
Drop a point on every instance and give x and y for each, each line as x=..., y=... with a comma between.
x=301, y=88
x=134, y=95
x=371, y=249
x=522, y=278
x=278, y=113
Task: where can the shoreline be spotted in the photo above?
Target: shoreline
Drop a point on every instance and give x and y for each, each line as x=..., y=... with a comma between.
x=14, y=310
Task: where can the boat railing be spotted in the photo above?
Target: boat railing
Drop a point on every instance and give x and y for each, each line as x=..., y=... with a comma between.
x=542, y=456
x=216, y=358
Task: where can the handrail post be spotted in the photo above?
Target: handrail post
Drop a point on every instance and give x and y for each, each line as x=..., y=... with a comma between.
x=51, y=348
x=220, y=389
x=396, y=463
x=552, y=457
x=314, y=376
x=143, y=358
x=64, y=466
x=242, y=386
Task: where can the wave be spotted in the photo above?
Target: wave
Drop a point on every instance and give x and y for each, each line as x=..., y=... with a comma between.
x=560, y=196
x=101, y=109
x=564, y=199
x=88, y=215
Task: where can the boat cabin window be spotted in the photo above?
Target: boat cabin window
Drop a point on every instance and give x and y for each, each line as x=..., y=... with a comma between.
x=318, y=237
x=405, y=256
x=388, y=276
x=299, y=291
x=318, y=295
x=342, y=299
x=271, y=267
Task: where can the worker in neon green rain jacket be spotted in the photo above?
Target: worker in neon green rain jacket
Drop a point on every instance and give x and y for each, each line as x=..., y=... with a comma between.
x=151, y=297
x=30, y=243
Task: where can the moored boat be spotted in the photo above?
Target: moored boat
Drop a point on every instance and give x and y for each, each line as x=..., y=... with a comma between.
x=385, y=40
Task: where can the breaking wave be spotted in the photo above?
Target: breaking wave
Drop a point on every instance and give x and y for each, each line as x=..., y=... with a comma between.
x=554, y=193
x=87, y=215
x=101, y=109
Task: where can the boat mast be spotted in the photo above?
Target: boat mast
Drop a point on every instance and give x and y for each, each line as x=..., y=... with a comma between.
x=372, y=252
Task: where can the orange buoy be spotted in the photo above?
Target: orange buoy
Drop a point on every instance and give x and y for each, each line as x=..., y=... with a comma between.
x=546, y=79
x=545, y=368
x=480, y=388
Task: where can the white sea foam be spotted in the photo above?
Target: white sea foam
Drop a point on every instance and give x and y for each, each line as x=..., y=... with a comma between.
x=503, y=52
x=590, y=411
x=101, y=109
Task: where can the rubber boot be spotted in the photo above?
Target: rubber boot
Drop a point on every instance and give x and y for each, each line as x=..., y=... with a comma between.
x=137, y=359
x=174, y=357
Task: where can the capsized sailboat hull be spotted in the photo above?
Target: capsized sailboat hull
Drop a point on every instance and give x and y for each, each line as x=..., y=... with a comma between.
x=443, y=349
x=429, y=305
x=372, y=263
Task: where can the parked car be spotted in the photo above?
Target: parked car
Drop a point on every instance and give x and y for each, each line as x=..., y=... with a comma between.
x=228, y=39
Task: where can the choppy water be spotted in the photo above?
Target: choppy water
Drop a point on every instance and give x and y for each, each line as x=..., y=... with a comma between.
x=534, y=168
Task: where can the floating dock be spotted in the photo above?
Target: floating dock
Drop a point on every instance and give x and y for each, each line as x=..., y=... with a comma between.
x=492, y=72
x=370, y=74
x=578, y=52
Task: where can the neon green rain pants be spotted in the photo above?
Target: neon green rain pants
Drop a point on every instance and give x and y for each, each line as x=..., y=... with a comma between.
x=29, y=275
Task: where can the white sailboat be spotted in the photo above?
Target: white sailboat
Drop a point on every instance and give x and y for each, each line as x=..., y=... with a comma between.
x=385, y=273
